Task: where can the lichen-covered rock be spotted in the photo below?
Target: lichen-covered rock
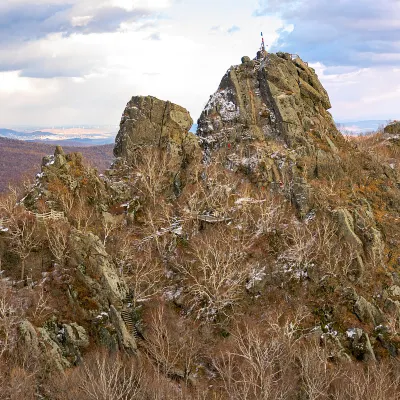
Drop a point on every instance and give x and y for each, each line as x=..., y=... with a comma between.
x=95, y=270
x=346, y=225
x=150, y=122
x=28, y=336
x=279, y=97
x=52, y=350
x=360, y=344
x=367, y=312
x=76, y=335
x=60, y=174
x=393, y=128
x=265, y=119
x=126, y=341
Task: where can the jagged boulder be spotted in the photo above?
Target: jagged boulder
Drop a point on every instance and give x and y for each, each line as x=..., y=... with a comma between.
x=367, y=312
x=277, y=97
x=125, y=339
x=61, y=173
x=360, y=344
x=150, y=122
x=266, y=119
x=393, y=128
x=95, y=271
x=58, y=346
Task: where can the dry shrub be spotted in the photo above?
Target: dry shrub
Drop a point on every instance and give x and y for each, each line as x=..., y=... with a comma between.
x=24, y=237
x=215, y=273
x=368, y=382
x=105, y=376
x=141, y=269
x=16, y=382
x=11, y=315
x=260, y=216
x=213, y=195
x=153, y=171
x=316, y=372
x=57, y=234
x=171, y=345
x=260, y=361
x=102, y=376
x=315, y=247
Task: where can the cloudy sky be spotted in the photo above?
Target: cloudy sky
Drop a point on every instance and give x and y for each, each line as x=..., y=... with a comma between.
x=80, y=61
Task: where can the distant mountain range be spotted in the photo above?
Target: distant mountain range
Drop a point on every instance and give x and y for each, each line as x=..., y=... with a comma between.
x=54, y=138
x=360, y=127
x=96, y=139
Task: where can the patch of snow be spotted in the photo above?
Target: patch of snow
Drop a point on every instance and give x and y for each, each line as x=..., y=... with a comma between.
x=254, y=277
x=225, y=107
x=295, y=270
x=351, y=333
x=178, y=231
x=310, y=216
x=102, y=315
x=173, y=294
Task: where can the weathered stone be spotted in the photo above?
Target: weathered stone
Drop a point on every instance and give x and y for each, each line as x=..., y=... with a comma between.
x=367, y=312
x=361, y=345
x=76, y=335
x=150, y=122
x=126, y=341
x=28, y=336
x=264, y=111
x=52, y=351
x=393, y=128
x=346, y=224
x=245, y=59
x=100, y=276
x=394, y=291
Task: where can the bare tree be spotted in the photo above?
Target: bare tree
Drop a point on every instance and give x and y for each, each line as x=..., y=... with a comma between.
x=24, y=236
x=260, y=360
x=174, y=349
x=106, y=378
x=216, y=275
x=57, y=233
x=10, y=316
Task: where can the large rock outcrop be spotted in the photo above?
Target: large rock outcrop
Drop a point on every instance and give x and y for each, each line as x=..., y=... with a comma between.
x=392, y=128
x=277, y=97
x=148, y=122
x=269, y=120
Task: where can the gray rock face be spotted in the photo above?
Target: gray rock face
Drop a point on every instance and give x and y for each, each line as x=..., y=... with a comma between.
x=98, y=273
x=367, y=312
x=150, y=122
x=126, y=341
x=361, y=345
x=28, y=336
x=275, y=97
x=262, y=111
x=393, y=128
x=58, y=347
x=76, y=335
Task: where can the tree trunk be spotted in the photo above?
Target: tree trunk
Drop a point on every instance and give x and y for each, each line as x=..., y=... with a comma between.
x=22, y=269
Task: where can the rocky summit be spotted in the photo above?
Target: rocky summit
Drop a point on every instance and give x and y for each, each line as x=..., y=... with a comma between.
x=256, y=259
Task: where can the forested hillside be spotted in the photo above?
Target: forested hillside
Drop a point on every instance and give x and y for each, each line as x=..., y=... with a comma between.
x=20, y=159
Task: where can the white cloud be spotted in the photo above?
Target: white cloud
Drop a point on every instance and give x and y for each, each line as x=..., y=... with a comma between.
x=86, y=77
x=362, y=94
